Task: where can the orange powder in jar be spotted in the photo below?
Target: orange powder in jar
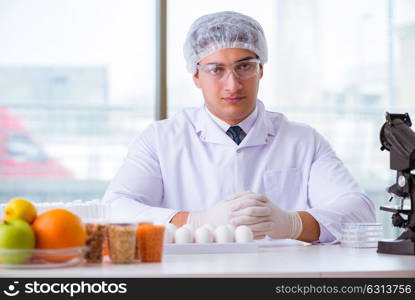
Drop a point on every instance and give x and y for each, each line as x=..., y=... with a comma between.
x=105, y=247
x=150, y=239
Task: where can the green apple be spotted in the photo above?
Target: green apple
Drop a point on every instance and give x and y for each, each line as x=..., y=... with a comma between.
x=16, y=234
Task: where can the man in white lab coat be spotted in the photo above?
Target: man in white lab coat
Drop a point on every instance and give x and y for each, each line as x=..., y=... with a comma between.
x=231, y=161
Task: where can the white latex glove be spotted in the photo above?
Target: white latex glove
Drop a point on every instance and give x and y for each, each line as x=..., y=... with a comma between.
x=220, y=212
x=268, y=219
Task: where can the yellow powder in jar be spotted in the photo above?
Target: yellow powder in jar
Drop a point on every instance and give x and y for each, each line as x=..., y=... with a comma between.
x=122, y=243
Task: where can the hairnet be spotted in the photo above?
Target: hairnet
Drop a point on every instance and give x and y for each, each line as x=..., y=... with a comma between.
x=221, y=30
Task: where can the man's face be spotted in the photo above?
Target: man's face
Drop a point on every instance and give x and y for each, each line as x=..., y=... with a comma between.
x=231, y=99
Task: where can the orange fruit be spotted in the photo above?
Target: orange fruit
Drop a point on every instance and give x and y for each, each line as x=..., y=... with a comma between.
x=58, y=229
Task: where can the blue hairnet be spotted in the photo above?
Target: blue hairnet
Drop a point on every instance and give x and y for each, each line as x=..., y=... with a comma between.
x=222, y=30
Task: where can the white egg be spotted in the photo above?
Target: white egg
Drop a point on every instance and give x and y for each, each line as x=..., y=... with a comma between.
x=232, y=230
x=223, y=234
x=190, y=227
x=168, y=236
x=171, y=227
x=210, y=227
x=203, y=235
x=243, y=234
x=169, y=231
x=231, y=227
x=183, y=235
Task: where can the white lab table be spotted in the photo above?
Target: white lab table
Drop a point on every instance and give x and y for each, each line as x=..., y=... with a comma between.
x=280, y=261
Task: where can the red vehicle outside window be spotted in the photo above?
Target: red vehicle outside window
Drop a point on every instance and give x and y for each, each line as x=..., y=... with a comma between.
x=21, y=156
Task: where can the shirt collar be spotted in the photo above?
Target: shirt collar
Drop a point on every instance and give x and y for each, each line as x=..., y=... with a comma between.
x=246, y=124
x=210, y=131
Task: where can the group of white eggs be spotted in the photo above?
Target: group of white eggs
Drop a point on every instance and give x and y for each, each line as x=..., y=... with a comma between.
x=207, y=234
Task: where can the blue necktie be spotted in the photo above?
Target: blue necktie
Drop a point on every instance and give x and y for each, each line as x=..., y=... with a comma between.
x=235, y=131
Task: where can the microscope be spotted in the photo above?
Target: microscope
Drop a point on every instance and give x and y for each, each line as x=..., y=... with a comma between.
x=397, y=137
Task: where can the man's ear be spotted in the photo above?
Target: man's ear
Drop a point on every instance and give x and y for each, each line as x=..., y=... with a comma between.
x=196, y=79
x=261, y=71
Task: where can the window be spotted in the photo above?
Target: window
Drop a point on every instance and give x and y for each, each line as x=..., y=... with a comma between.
x=76, y=84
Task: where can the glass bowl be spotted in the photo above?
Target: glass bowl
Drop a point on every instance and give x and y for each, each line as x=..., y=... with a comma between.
x=360, y=235
x=41, y=258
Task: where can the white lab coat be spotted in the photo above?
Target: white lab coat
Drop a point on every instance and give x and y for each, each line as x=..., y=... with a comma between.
x=188, y=163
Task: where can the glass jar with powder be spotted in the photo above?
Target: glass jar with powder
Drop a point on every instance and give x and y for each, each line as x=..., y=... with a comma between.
x=122, y=242
x=95, y=238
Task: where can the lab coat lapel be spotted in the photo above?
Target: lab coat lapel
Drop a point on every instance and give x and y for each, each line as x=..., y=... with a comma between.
x=260, y=131
x=209, y=131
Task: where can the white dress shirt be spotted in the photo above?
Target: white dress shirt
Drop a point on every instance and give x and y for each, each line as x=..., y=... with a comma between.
x=245, y=124
x=188, y=163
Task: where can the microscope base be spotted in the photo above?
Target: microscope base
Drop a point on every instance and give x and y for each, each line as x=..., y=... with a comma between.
x=403, y=247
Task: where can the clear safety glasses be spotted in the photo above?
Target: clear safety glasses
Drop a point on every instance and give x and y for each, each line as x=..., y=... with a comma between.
x=242, y=69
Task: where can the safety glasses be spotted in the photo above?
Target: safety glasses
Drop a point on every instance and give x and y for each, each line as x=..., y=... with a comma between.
x=242, y=69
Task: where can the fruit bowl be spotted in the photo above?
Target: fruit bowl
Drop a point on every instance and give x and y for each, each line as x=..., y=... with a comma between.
x=41, y=258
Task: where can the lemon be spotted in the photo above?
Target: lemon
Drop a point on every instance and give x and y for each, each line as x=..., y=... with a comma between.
x=20, y=208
